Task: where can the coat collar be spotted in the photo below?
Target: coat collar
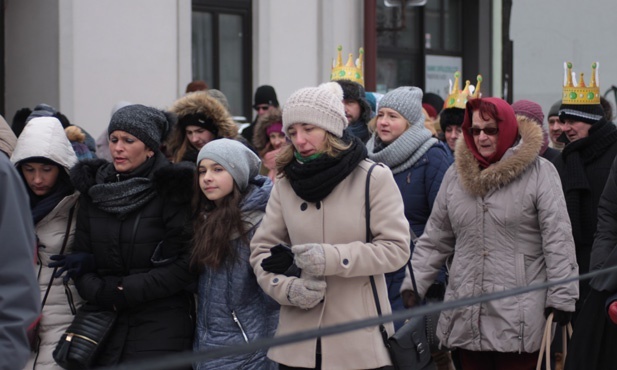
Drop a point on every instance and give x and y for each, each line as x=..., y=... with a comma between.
x=514, y=162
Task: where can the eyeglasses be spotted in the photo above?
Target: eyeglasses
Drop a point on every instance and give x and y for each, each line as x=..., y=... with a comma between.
x=262, y=107
x=490, y=131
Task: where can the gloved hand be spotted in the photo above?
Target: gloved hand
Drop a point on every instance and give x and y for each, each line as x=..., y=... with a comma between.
x=311, y=258
x=281, y=261
x=612, y=312
x=110, y=295
x=410, y=298
x=74, y=264
x=559, y=316
x=306, y=293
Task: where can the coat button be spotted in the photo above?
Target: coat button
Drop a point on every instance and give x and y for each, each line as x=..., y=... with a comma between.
x=345, y=262
x=275, y=280
x=303, y=206
x=318, y=205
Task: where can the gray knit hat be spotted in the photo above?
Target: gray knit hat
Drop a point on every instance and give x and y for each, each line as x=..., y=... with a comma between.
x=407, y=100
x=241, y=163
x=554, y=111
x=149, y=125
x=320, y=106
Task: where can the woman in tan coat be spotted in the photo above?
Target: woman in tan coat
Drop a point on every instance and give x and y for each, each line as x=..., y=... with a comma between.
x=501, y=212
x=317, y=207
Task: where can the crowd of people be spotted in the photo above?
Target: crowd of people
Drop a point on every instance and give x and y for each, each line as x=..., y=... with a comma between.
x=200, y=236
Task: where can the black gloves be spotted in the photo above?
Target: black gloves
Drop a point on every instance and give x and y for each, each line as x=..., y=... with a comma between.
x=110, y=295
x=281, y=261
x=559, y=316
x=75, y=264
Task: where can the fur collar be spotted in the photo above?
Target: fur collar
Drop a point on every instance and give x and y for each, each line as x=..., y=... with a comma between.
x=514, y=162
x=260, y=135
x=173, y=182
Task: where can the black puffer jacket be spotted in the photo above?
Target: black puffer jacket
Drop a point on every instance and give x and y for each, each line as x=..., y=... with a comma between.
x=152, y=260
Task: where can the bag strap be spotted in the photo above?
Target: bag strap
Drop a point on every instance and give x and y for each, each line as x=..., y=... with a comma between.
x=367, y=210
x=64, y=241
x=545, y=347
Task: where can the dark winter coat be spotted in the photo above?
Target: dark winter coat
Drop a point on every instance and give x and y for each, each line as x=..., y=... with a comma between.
x=232, y=289
x=151, y=257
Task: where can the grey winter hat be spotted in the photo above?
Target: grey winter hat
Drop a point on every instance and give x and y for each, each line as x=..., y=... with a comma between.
x=241, y=163
x=407, y=100
x=148, y=124
x=554, y=111
x=319, y=106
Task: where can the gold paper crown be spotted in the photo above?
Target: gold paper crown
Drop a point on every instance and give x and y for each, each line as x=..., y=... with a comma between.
x=581, y=93
x=349, y=71
x=458, y=98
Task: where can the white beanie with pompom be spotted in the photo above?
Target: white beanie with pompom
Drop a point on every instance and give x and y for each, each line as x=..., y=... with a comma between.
x=321, y=106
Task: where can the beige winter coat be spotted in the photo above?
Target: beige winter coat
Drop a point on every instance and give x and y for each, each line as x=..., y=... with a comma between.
x=507, y=227
x=338, y=223
x=49, y=141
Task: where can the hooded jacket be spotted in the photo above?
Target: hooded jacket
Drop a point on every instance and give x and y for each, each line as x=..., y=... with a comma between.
x=232, y=289
x=45, y=137
x=507, y=227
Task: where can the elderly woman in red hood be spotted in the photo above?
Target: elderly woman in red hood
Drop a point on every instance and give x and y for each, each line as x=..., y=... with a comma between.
x=501, y=214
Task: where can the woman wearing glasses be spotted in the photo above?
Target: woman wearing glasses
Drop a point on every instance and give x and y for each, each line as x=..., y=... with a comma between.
x=501, y=213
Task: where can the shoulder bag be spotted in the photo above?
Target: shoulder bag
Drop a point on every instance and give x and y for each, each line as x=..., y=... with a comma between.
x=408, y=347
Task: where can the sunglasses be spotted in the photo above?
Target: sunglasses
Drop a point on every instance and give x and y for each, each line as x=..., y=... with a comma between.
x=262, y=107
x=490, y=131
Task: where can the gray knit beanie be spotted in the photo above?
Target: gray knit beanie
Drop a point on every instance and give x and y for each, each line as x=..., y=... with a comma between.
x=320, y=106
x=554, y=111
x=241, y=163
x=149, y=125
x=407, y=100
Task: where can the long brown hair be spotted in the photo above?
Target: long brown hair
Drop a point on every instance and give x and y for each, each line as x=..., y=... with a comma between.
x=333, y=146
x=212, y=227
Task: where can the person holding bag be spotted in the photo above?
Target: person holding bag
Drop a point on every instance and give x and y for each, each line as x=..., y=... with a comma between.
x=132, y=219
x=317, y=208
x=43, y=157
x=501, y=214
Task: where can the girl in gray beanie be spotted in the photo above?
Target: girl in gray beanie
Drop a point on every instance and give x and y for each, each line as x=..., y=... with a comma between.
x=229, y=202
x=318, y=206
x=418, y=162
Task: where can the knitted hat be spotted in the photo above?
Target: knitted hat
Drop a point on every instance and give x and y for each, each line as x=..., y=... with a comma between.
x=241, y=163
x=149, y=125
x=265, y=95
x=320, y=106
x=554, y=111
x=434, y=100
x=430, y=111
x=407, y=100
x=530, y=110
x=588, y=113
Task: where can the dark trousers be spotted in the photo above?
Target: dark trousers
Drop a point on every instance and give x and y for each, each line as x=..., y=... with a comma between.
x=480, y=360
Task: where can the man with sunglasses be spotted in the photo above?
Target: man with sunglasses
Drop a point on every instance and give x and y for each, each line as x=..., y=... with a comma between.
x=265, y=102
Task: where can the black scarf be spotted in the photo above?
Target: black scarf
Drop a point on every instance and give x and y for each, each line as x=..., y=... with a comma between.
x=123, y=193
x=315, y=180
x=40, y=206
x=576, y=185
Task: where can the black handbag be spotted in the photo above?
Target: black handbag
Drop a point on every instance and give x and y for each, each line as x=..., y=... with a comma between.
x=83, y=339
x=408, y=347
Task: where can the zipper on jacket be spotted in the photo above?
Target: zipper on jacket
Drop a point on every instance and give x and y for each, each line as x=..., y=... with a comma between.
x=233, y=313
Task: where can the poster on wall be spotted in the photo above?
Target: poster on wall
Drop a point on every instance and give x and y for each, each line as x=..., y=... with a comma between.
x=439, y=72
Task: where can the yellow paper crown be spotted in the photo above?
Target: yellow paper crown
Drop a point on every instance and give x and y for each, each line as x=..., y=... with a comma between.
x=350, y=71
x=580, y=93
x=458, y=98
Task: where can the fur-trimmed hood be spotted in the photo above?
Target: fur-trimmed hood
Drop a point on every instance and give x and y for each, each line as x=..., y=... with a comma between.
x=260, y=135
x=173, y=182
x=513, y=163
x=202, y=102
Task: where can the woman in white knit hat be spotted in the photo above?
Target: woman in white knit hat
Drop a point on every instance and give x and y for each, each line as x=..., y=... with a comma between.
x=318, y=209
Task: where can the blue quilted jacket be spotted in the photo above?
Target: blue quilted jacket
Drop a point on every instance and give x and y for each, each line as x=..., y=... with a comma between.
x=231, y=305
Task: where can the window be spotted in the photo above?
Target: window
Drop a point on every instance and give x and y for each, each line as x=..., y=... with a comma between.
x=221, y=46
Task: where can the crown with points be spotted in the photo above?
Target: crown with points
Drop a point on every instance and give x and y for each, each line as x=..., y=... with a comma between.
x=458, y=98
x=350, y=71
x=580, y=93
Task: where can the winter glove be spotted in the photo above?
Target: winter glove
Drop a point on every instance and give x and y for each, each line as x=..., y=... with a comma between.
x=559, y=316
x=74, y=264
x=110, y=295
x=311, y=258
x=410, y=298
x=612, y=312
x=306, y=293
x=281, y=261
